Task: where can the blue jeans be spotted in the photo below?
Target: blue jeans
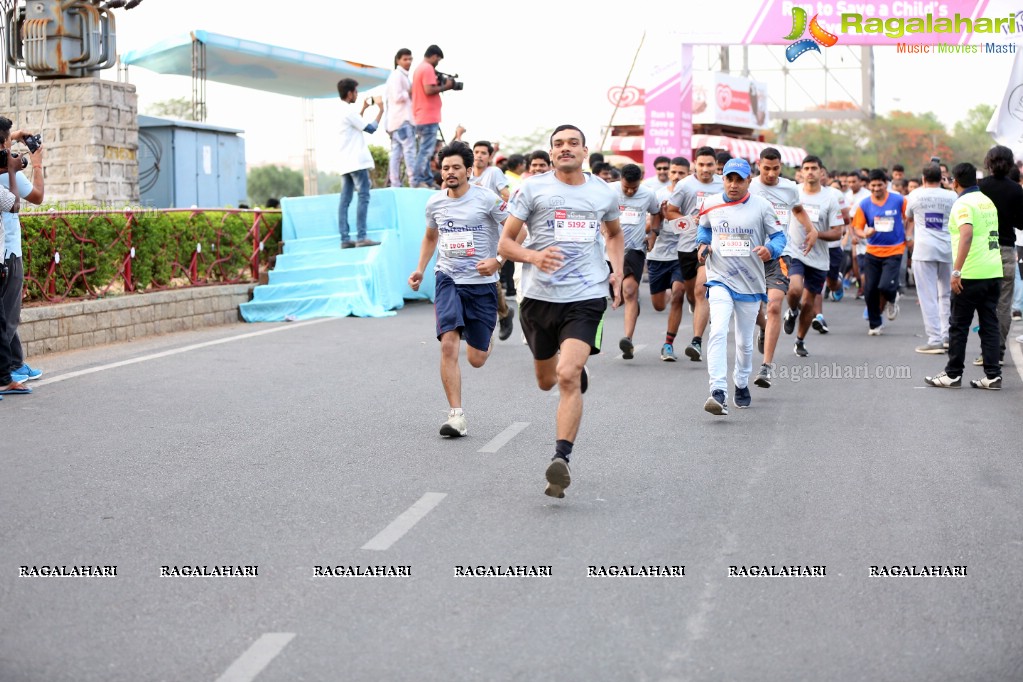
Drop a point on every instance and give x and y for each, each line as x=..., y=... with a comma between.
x=359, y=182
x=403, y=145
x=427, y=138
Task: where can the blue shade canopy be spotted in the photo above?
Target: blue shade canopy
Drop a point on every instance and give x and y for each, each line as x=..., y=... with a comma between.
x=256, y=65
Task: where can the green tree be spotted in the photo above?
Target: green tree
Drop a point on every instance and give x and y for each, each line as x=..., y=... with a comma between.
x=526, y=144
x=970, y=139
x=177, y=107
x=907, y=138
x=267, y=182
x=839, y=144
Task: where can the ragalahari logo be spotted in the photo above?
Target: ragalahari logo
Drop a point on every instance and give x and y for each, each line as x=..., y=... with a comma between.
x=817, y=35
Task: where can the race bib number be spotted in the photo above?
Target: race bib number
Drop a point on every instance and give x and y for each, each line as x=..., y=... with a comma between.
x=814, y=212
x=630, y=216
x=575, y=226
x=934, y=221
x=457, y=244
x=783, y=216
x=884, y=224
x=734, y=246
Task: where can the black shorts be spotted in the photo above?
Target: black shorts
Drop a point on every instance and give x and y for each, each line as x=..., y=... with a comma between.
x=663, y=274
x=547, y=324
x=813, y=279
x=777, y=272
x=836, y=255
x=688, y=263
x=634, y=261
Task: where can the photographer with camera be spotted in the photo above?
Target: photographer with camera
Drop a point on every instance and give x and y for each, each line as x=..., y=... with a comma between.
x=356, y=161
x=427, y=85
x=10, y=292
x=10, y=204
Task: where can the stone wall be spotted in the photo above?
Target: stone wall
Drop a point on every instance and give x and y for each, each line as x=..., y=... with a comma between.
x=70, y=326
x=90, y=134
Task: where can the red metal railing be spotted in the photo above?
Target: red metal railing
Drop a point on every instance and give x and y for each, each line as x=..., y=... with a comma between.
x=93, y=253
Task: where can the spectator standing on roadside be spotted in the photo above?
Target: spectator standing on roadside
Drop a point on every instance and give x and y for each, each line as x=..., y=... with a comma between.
x=32, y=191
x=399, y=119
x=426, y=112
x=356, y=160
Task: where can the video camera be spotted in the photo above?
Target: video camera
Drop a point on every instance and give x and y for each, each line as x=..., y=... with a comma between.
x=3, y=159
x=443, y=78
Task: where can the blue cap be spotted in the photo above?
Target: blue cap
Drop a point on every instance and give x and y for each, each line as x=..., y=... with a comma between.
x=740, y=166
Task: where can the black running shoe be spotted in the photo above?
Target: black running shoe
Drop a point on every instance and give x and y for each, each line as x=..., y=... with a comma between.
x=742, y=398
x=559, y=477
x=800, y=349
x=507, y=325
x=790, y=320
x=628, y=350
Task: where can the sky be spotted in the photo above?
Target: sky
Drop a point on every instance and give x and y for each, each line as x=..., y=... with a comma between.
x=526, y=66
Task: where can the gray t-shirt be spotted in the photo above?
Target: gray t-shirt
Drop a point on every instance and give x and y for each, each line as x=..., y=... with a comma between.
x=569, y=216
x=823, y=211
x=634, y=211
x=492, y=178
x=688, y=198
x=930, y=207
x=736, y=230
x=783, y=196
x=842, y=204
x=666, y=244
x=470, y=227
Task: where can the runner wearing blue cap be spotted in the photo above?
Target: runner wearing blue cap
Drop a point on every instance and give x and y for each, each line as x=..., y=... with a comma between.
x=738, y=233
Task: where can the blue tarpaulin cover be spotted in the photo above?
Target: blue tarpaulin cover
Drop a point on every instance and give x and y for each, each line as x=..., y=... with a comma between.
x=315, y=277
x=260, y=66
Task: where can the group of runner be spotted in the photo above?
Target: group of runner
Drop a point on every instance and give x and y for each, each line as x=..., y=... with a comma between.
x=760, y=249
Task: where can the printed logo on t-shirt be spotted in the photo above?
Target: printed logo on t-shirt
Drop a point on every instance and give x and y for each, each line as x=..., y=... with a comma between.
x=934, y=221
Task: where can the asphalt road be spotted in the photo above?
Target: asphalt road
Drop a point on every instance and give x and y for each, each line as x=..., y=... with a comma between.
x=315, y=444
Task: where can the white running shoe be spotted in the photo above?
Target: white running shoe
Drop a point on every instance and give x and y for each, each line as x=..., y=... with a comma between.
x=891, y=308
x=455, y=426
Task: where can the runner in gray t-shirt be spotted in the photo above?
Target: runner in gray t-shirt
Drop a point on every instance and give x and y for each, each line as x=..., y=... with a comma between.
x=685, y=203
x=638, y=206
x=783, y=195
x=667, y=288
x=565, y=279
x=809, y=268
x=484, y=174
x=466, y=220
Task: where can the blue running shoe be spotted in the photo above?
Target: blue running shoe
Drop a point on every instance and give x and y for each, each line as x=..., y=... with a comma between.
x=27, y=372
x=742, y=397
x=838, y=294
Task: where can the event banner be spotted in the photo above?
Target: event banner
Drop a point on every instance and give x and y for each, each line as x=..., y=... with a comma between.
x=825, y=23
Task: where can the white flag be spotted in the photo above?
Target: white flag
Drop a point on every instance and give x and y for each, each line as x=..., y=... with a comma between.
x=1006, y=124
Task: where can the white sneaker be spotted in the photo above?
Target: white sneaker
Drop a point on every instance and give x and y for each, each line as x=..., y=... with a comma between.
x=455, y=426
x=876, y=331
x=891, y=309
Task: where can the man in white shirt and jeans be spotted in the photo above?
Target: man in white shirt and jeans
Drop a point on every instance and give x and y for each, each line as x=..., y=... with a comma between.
x=356, y=160
x=399, y=119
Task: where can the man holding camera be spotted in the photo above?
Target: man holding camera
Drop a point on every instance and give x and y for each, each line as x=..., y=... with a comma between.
x=426, y=103
x=10, y=291
x=356, y=160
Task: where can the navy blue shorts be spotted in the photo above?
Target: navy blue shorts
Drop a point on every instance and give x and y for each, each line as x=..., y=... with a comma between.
x=662, y=274
x=813, y=279
x=837, y=256
x=469, y=309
